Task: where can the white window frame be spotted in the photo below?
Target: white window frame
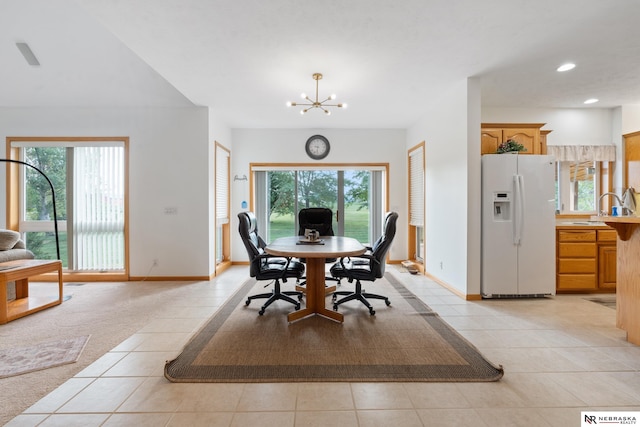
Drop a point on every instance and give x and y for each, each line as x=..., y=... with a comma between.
x=566, y=196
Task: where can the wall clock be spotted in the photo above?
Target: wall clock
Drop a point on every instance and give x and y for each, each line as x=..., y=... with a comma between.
x=317, y=147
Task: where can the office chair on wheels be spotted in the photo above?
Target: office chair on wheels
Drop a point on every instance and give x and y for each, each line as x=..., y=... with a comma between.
x=267, y=267
x=319, y=219
x=369, y=267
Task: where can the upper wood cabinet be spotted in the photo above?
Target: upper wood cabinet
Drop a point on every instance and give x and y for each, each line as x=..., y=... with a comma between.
x=527, y=134
x=632, y=160
x=543, y=141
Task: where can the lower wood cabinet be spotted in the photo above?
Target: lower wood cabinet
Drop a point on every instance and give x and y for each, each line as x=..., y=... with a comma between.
x=607, y=256
x=586, y=260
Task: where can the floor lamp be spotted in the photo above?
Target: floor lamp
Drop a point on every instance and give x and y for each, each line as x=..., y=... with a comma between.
x=53, y=197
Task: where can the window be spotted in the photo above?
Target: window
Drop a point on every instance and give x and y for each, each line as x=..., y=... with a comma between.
x=416, y=202
x=578, y=186
x=583, y=173
x=223, y=158
x=355, y=194
x=89, y=181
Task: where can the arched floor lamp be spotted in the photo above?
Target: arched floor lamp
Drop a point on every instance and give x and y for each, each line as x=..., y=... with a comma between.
x=53, y=197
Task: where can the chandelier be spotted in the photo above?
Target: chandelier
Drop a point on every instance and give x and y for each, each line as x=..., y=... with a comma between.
x=316, y=104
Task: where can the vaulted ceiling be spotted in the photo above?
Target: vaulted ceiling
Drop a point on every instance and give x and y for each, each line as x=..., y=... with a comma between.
x=388, y=59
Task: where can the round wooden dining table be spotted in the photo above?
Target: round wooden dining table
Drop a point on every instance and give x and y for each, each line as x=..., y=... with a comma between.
x=315, y=253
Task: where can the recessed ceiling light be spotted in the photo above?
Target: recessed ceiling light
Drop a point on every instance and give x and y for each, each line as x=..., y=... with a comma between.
x=591, y=101
x=566, y=67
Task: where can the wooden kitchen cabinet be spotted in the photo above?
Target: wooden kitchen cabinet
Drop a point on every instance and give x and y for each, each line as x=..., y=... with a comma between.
x=607, y=256
x=632, y=160
x=543, y=141
x=527, y=134
x=586, y=260
x=576, y=264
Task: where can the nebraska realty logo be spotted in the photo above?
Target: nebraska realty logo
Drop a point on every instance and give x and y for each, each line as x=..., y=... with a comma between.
x=609, y=418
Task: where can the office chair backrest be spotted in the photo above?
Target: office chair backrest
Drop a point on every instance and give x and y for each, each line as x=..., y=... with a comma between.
x=382, y=245
x=319, y=219
x=248, y=229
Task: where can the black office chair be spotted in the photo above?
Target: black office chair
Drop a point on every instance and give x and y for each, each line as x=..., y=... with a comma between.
x=267, y=267
x=319, y=219
x=369, y=267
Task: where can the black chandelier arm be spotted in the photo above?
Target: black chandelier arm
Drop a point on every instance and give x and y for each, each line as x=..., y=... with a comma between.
x=53, y=198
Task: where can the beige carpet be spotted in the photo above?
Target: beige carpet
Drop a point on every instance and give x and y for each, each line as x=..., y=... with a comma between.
x=21, y=360
x=406, y=341
x=108, y=312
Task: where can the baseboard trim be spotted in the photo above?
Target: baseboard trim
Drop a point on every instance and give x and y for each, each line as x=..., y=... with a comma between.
x=467, y=297
x=169, y=279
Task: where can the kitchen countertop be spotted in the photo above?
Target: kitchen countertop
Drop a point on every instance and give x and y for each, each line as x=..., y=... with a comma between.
x=574, y=223
x=624, y=225
x=619, y=219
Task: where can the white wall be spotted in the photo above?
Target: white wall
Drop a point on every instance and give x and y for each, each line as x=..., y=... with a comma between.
x=452, y=185
x=630, y=119
x=587, y=126
x=347, y=146
x=168, y=153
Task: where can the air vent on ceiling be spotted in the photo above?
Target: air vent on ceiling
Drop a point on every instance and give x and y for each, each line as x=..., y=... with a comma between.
x=28, y=54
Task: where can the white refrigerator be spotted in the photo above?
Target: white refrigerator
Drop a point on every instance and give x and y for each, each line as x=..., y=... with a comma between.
x=518, y=226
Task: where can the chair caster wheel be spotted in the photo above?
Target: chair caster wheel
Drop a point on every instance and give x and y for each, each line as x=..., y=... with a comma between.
x=300, y=297
x=333, y=298
x=297, y=306
x=335, y=307
x=387, y=302
x=261, y=312
x=372, y=311
x=247, y=302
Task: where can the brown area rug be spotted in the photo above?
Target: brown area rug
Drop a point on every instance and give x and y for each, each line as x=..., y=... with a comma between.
x=406, y=341
x=17, y=361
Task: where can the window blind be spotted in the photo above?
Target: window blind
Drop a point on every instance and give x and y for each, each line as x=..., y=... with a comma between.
x=416, y=187
x=222, y=185
x=98, y=209
x=583, y=153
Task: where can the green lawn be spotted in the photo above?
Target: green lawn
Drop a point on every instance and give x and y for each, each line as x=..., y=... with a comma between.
x=357, y=225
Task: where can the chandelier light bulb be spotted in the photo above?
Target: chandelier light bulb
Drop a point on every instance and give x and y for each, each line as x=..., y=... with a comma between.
x=566, y=67
x=327, y=112
x=342, y=105
x=289, y=104
x=333, y=96
x=303, y=96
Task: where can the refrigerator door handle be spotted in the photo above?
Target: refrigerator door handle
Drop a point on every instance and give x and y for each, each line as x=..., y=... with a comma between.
x=518, y=181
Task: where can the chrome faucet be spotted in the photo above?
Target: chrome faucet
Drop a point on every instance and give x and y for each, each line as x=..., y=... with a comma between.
x=600, y=211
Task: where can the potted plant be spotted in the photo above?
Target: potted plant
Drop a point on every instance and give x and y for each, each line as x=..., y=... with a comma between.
x=510, y=146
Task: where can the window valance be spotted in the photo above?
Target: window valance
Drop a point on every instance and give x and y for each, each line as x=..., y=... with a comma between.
x=583, y=153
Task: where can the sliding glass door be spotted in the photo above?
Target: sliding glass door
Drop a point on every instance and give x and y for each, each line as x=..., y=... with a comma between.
x=89, y=183
x=354, y=195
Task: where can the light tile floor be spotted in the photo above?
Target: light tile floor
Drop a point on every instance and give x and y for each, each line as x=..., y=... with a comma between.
x=561, y=355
